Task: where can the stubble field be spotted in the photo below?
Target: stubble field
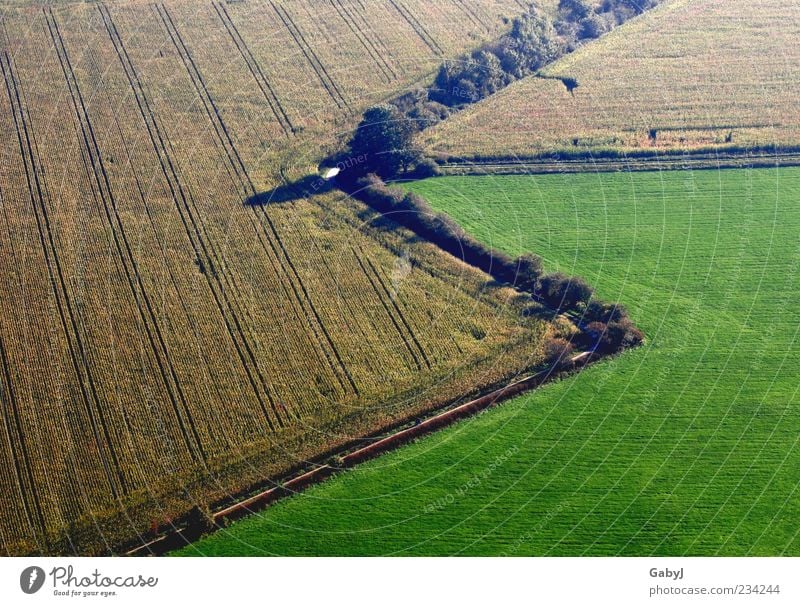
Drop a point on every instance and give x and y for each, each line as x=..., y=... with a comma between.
x=686, y=446
x=164, y=342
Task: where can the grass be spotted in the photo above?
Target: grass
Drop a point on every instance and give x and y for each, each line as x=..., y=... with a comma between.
x=700, y=73
x=688, y=445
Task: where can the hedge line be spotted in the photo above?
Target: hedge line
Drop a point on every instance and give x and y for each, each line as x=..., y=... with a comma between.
x=605, y=326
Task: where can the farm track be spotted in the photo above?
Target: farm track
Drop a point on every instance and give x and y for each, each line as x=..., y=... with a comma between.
x=387, y=71
x=313, y=60
x=94, y=159
x=472, y=15
x=38, y=193
x=382, y=296
x=348, y=458
x=205, y=251
x=381, y=50
x=635, y=163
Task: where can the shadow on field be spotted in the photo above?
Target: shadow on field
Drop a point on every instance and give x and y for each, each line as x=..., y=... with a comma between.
x=308, y=186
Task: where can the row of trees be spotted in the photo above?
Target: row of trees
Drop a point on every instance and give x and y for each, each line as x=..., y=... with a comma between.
x=606, y=326
x=385, y=135
x=534, y=41
x=384, y=146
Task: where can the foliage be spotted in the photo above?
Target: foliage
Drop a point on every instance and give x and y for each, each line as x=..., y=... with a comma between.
x=557, y=351
x=532, y=43
x=685, y=446
x=384, y=139
x=636, y=81
x=563, y=292
x=174, y=341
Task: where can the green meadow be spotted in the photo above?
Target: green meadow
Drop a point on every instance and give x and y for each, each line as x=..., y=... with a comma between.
x=685, y=446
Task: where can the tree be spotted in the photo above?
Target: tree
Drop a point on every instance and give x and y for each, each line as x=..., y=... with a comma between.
x=383, y=143
x=564, y=292
x=532, y=43
x=529, y=270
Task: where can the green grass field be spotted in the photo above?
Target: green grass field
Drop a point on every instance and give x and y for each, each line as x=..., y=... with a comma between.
x=688, y=445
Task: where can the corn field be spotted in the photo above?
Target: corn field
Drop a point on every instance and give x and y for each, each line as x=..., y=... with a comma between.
x=163, y=341
x=714, y=76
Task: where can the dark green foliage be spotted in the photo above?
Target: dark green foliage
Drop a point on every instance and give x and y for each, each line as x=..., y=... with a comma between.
x=469, y=79
x=614, y=336
x=384, y=136
x=600, y=311
x=560, y=292
x=529, y=270
x=532, y=44
x=533, y=41
x=384, y=139
x=424, y=169
x=558, y=351
x=414, y=212
x=564, y=292
x=574, y=9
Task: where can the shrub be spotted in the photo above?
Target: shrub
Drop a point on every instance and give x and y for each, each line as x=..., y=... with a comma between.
x=532, y=43
x=529, y=270
x=624, y=334
x=414, y=212
x=600, y=311
x=614, y=336
x=469, y=79
x=564, y=292
x=424, y=169
x=594, y=26
x=558, y=352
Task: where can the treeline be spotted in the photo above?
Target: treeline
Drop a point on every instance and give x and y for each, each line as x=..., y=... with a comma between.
x=605, y=326
x=533, y=41
x=384, y=141
x=383, y=148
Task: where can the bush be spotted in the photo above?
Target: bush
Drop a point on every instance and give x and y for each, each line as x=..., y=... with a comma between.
x=614, y=336
x=200, y=519
x=425, y=169
x=600, y=311
x=529, y=270
x=558, y=352
x=594, y=26
x=563, y=292
x=624, y=334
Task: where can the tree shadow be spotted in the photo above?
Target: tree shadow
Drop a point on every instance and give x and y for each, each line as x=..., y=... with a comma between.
x=291, y=191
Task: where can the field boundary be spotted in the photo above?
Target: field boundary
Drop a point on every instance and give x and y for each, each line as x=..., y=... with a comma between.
x=347, y=458
x=618, y=163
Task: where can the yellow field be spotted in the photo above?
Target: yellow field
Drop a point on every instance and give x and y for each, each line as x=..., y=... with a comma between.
x=718, y=74
x=163, y=342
